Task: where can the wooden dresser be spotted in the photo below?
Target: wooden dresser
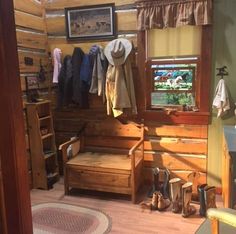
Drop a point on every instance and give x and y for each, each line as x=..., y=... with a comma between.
x=229, y=167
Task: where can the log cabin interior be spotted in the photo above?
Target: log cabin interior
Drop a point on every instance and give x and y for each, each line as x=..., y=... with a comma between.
x=65, y=138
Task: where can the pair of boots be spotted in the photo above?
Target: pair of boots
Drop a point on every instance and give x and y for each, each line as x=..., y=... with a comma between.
x=157, y=186
x=159, y=202
x=207, y=198
x=181, y=197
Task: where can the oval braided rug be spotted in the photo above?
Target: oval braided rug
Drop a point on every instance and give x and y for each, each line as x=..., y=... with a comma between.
x=61, y=218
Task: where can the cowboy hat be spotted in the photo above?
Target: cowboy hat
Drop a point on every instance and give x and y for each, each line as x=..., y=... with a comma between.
x=117, y=51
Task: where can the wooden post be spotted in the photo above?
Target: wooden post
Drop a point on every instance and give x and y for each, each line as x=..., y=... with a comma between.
x=15, y=195
x=214, y=226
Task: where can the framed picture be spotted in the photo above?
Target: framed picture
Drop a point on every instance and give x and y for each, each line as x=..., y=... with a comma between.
x=31, y=82
x=32, y=86
x=90, y=22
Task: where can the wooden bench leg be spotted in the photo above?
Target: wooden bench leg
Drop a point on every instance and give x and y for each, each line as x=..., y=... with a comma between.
x=214, y=226
x=66, y=187
x=133, y=197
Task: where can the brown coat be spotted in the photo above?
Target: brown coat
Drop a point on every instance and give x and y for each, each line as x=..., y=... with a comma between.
x=120, y=90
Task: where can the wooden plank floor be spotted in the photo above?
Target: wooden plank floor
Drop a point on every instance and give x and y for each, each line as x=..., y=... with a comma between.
x=126, y=217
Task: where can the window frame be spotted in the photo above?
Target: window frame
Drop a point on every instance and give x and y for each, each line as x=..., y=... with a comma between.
x=175, y=61
x=202, y=86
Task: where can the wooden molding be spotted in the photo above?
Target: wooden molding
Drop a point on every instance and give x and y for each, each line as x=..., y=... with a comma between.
x=15, y=186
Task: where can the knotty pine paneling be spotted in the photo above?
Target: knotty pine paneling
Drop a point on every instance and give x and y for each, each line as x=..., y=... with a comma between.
x=163, y=145
x=29, y=21
x=29, y=6
x=192, y=131
x=177, y=145
x=22, y=83
x=31, y=40
x=61, y=4
x=36, y=61
x=175, y=161
x=126, y=21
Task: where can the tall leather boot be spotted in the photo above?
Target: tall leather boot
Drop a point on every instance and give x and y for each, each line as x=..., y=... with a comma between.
x=155, y=184
x=187, y=209
x=194, y=178
x=165, y=188
x=201, y=192
x=207, y=197
x=175, y=194
x=210, y=197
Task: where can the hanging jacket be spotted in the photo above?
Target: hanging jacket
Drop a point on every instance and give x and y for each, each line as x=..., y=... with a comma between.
x=65, y=82
x=98, y=74
x=120, y=93
x=56, y=64
x=77, y=58
x=85, y=80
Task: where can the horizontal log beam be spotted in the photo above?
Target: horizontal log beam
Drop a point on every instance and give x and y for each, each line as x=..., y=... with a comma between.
x=29, y=6
x=61, y=4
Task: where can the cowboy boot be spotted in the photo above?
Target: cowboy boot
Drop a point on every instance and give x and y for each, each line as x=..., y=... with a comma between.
x=175, y=194
x=187, y=209
x=165, y=188
x=154, y=201
x=162, y=203
x=210, y=197
x=201, y=192
x=194, y=178
x=155, y=185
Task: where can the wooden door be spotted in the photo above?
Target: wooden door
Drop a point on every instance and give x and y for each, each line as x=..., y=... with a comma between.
x=15, y=197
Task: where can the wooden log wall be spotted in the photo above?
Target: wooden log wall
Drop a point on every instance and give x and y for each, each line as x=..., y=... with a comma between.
x=32, y=43
x=181, y=148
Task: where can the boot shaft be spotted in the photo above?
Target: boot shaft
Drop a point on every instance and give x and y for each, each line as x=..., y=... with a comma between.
x=187, y=209
x=201, y=192
x=165, y=188
x=210, y=197
x=175, y=194
x=207, y=198
x=155, y=182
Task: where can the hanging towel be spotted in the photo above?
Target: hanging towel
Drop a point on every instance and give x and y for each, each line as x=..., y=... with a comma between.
x=57, y=64
x=221, y=100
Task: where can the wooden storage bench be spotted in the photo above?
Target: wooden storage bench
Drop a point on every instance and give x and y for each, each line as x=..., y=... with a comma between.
x=106, y=156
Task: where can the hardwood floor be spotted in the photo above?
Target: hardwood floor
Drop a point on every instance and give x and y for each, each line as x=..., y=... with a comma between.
x=126, y=217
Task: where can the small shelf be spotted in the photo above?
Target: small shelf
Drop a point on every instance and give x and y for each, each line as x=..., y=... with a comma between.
x=52, y=175
x=49, y=155
x=46, y=136
x=44, y=118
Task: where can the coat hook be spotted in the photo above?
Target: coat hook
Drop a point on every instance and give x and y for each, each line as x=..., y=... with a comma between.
x=222, y=71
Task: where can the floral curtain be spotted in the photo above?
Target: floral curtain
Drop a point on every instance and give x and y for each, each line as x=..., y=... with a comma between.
x=173, y=13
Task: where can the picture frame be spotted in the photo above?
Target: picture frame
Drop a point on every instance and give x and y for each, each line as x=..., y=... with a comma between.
x=31, y=82
x=32, y=86
x=90, y=22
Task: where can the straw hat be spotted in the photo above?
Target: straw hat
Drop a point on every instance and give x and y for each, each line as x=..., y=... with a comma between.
x=117, y=51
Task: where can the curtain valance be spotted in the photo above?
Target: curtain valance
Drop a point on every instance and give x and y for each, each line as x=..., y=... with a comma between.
x=173, y=13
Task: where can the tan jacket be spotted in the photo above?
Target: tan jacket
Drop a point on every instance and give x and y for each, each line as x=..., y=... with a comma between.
x=120, y=92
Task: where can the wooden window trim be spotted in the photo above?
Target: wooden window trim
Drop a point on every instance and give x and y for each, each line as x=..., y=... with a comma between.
x=150, y=82
x=202, y=87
